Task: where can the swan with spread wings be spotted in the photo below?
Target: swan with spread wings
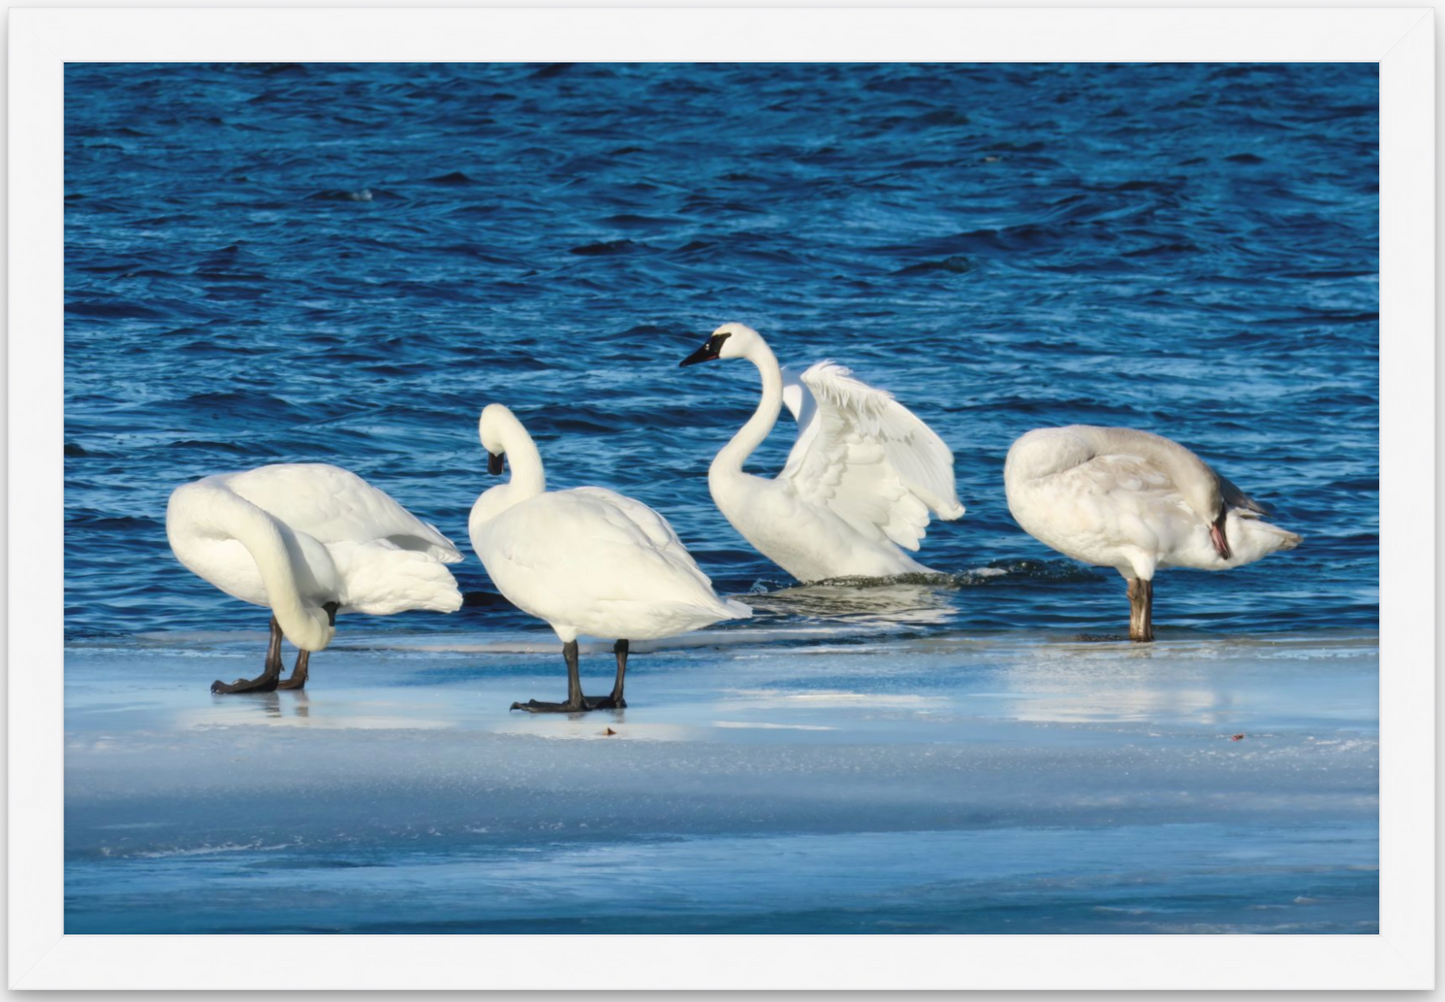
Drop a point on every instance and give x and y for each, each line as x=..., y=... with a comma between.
x=860, y=485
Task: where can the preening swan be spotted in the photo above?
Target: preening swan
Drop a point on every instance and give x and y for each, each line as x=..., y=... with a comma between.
x=1134, y=501
x=860, y=482
x=585, y=560
x=310, y=541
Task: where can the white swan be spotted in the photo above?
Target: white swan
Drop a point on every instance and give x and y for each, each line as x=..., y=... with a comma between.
x=859, y=483
x=1134, y=501
x=310, y=541
x=585, y=560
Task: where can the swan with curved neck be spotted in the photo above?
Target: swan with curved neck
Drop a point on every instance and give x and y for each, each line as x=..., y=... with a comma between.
x=309, y=541
x=860, y=485
x=1134, y=501
x=586, y=561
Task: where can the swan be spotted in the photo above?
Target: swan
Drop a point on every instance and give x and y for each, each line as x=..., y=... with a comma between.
x=859, y=484
x=585, y=560
x=310, y=541
x=1134, y=501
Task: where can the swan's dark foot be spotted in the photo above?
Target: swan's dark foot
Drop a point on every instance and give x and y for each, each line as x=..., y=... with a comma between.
x=298, y=674
x=268, y=679
x=614, y=701
x=533, y=706
x=576, y=702
x=261, y=683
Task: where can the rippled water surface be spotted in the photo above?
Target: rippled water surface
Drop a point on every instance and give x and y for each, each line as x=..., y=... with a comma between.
x=272, y=263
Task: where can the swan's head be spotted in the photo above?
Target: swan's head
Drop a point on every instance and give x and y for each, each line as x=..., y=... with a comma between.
x=728, y=341
x=496, y=421
x=313, y=629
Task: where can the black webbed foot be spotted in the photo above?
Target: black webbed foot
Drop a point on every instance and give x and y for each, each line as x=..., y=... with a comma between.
x=268, y=679
x=534, y=706
x=262, y=683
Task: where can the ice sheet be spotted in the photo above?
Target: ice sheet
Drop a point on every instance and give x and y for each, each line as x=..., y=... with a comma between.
x=849, y=781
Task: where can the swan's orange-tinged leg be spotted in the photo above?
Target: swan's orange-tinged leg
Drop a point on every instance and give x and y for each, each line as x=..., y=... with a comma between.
x=298, y=674
x=1141, y=609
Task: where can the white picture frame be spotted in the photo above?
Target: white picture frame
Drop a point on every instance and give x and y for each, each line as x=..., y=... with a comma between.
x=1401, y=956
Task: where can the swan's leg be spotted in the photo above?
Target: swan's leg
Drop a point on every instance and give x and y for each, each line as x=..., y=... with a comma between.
x=1141, y=609
x=576, y=702
x=264, y=682
x=620, y=649
x=614, y=701
x=298, y=674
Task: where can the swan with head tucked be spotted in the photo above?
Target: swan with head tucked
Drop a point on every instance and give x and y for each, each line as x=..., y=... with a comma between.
x=859, y=485
x=586, y=560
x=1134, y=501
x=309, y=541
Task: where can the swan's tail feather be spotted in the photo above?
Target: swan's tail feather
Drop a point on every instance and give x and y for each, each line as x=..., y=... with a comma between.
x=1261, y=537
x=736, y=610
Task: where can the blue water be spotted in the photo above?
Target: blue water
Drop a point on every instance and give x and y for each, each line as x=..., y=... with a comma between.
x=270, y=263
x=274, y=263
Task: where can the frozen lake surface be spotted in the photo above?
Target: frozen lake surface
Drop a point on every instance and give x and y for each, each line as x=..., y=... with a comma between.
x=795, y=780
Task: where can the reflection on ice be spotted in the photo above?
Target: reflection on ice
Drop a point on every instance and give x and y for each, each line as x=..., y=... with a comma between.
x=293, y=709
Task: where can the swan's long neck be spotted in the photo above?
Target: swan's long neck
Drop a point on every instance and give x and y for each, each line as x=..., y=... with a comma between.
x=220, y=513
x=527, y=480
x=729, y=461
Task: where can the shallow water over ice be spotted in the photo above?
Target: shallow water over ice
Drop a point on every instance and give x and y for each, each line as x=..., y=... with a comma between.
x=792, y=781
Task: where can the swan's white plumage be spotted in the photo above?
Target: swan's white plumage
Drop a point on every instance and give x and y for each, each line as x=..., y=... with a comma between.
x=860, y=484
x=868, y=458
x=297, y=536
x=588, y=560
x=1131, y=500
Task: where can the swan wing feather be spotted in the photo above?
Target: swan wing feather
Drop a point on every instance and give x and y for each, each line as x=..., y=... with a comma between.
x=334, y=505
x=869, y=459
x=590, y=545
x=622, y=511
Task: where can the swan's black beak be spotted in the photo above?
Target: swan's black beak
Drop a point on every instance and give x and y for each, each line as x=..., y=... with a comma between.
x=331, y=608
x=709, y=351
x=494, y=464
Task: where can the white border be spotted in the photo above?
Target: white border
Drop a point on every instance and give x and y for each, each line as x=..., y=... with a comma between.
x=1402, y=956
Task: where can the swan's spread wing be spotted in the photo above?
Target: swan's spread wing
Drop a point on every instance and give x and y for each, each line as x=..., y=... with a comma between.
x=798, y=398
x=333, y=505
x=869, y=459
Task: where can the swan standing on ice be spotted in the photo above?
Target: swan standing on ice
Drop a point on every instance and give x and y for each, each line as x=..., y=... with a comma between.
x=310, y=541
x=859, y=483
x=585, y=560
x=1134, y=501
